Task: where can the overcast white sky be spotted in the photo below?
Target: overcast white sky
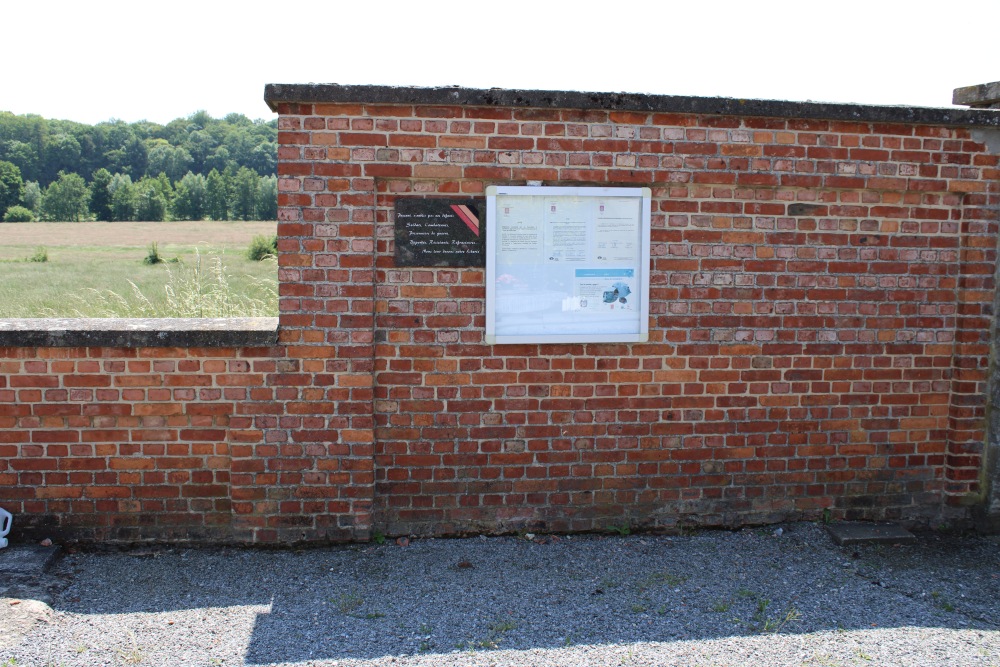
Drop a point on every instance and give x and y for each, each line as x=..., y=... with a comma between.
x=92, y=61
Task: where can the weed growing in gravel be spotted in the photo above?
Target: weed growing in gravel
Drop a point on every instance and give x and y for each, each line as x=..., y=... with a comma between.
x=347, y=603
x=721, y=606
x=132, y=656
x=762, y=605
x=608, y=583
x=761, y=620
x=941, y=602
x=775, y=625
x=661, y=579
x=495, y=632
x=501, y=626
x=426, y=641
x=622, y=531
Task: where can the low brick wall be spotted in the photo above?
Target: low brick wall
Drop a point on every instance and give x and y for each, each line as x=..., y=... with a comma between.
x=820, y=329
x=127, y=429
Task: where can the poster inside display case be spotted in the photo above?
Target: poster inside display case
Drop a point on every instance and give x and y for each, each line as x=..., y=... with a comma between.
x=567, y=264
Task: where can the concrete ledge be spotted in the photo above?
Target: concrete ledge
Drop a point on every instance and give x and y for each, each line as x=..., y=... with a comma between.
x=113, y=332
x=983, y=95
x=313, y=93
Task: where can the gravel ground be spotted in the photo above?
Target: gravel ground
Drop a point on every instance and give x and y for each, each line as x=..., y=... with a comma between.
x=753, y=597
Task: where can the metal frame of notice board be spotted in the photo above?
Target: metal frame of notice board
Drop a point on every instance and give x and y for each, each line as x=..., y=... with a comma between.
x=567, y=264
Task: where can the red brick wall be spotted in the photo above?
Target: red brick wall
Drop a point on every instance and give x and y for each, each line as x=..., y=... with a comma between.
x=123, y=443
x=819, y=305
x=820, y=317
x=179, y=444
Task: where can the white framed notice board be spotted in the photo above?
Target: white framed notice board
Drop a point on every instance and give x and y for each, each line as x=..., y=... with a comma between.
x=567, y=264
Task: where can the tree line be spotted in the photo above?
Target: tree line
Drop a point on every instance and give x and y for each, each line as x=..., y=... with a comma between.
x=189, y=169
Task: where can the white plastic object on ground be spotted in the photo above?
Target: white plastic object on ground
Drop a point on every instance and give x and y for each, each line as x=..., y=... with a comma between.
x=6, y=520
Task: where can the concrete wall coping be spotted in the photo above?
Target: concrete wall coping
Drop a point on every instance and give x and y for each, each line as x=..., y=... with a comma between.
x=332, y=93
x=981, y=95
x=123, y=332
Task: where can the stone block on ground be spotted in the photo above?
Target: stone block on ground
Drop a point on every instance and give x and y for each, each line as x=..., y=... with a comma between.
x=858, y=532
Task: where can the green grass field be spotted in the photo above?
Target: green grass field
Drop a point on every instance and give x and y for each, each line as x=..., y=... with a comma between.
x=89, y=263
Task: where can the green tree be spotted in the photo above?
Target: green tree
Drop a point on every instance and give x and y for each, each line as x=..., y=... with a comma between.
x=220, y=160
x=267, y=198
x=100, y=195
x=160, y=156
x=22, y=141
x=180, y=164
x=122, y=198
x=240, y=140
x=32, y=197
x=66, y=199
x=11, y=186
x=174, y=161
x=217, y=189
x=199, y=145
x=130, y=158
x=201, y=119
x=21, y=154
x=42, y=148
x=114, y=134
x=263, y=158
x=62, y=154
x=244, y=193
x=166, y=186
x=150, y=201
x=190, y=198
x=136, y=156
x=18, y=214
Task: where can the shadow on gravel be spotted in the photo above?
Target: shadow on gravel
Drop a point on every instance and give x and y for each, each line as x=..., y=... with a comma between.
x=439, y=596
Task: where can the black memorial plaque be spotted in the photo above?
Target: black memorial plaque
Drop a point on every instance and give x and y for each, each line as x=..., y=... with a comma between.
x=440, y=232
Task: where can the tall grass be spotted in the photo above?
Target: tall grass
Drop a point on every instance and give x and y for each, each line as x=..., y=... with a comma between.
x=202, y=288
